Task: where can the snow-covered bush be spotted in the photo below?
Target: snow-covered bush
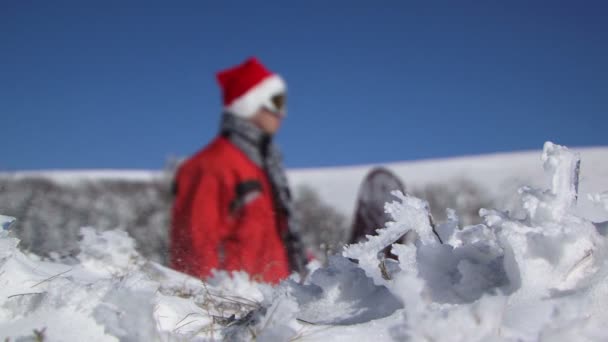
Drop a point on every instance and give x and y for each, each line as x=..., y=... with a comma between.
x=51, y=214
x=464, y=196
x=323, y=228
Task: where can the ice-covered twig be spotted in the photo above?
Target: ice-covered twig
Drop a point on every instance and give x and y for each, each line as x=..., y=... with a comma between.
x=25, y=294
x=409, y=213
x=52, y=278
x=564, y=165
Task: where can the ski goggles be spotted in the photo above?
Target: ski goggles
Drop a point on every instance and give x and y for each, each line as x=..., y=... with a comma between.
x=277, y=105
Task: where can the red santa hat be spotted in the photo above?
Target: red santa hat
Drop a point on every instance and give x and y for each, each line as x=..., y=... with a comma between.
x=248, y=87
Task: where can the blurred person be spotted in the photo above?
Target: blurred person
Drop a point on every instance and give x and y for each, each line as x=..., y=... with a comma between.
x=374, y=192
x=233, y=208
x=370, y=214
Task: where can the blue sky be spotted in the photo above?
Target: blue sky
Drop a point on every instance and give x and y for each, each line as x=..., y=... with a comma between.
x=127, y=84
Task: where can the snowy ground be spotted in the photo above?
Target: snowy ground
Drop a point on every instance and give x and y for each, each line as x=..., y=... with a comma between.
x=536, y=274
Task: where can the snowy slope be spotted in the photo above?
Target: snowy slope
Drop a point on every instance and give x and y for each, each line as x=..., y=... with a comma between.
x=498, y=174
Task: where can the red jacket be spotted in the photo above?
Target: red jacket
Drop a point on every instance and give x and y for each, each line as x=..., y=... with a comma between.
x=224, y=217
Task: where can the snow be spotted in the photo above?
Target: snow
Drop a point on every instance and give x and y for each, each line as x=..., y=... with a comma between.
x=72, y=177
x=6, y=222
x=539, y=273
x=500, y=175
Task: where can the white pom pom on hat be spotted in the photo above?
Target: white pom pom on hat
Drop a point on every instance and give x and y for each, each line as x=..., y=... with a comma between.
x=249, y=86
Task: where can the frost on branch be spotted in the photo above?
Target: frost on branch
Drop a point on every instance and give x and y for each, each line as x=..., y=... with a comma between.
x=563, y=166
x=409, y=214
x=462, y=269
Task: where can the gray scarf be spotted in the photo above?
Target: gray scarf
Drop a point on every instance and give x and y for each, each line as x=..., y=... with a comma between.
x=259, y=148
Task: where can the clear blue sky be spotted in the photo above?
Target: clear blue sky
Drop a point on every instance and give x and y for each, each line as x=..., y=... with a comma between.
x=126, y=84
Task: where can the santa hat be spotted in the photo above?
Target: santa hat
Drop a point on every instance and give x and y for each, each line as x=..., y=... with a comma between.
x=248, y=87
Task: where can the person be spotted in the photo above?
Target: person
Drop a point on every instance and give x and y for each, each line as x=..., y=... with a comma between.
x=232, y=208
x=374, y=192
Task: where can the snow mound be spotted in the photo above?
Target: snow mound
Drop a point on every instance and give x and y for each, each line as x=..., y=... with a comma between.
x=110, y=293
x=536, y=275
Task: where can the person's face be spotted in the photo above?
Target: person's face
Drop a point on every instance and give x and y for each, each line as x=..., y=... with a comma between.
x=267, y=121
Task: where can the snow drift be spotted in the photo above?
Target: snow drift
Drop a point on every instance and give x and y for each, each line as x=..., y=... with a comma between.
x=535, y=274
